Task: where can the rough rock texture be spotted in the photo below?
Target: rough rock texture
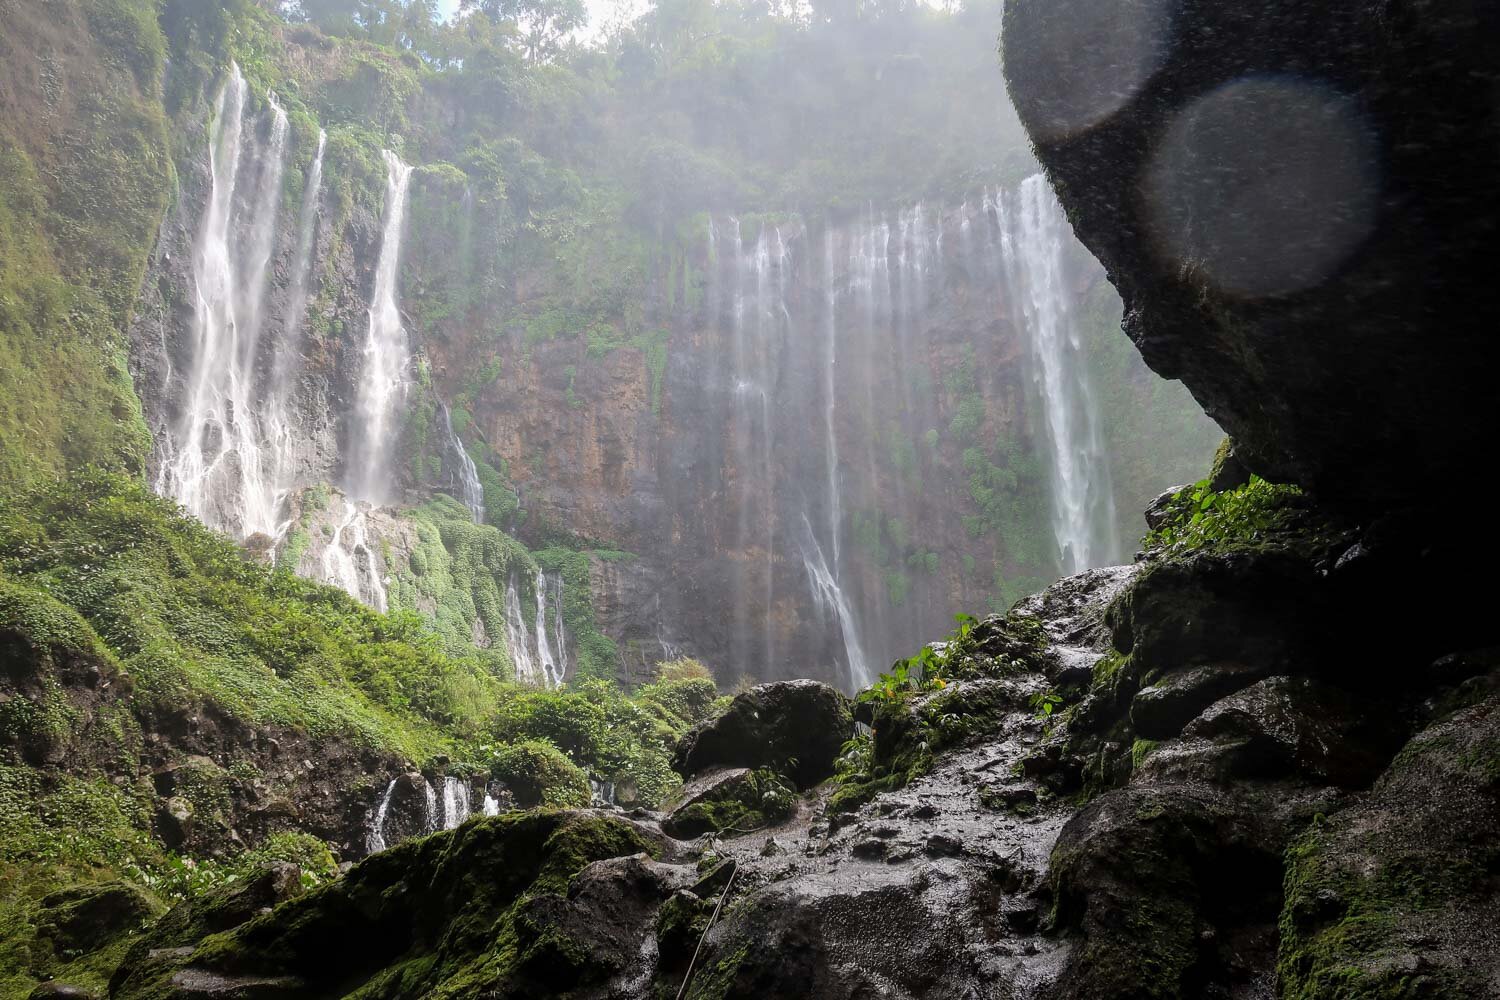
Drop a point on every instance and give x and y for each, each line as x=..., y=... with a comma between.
x=1294, y=202
x=1397, y=895
x=794, y=727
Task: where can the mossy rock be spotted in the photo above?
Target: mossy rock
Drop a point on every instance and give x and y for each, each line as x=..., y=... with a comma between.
x=730, y=800
x=537, y=773
x=796, y=728
x=437, y=917
x=85, y=918
x=1395, y=897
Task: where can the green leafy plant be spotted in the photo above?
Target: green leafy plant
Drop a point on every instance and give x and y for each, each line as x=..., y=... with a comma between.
x=1201, y=518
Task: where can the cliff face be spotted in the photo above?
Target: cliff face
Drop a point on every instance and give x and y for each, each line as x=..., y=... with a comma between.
x=787, y=445
x=1264, y=205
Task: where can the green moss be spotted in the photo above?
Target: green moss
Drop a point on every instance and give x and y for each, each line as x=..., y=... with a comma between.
x=761, y=798
x=457, y=576
x=1338, y=925
x=415, y=922
x=537, y=773
x=1140, y=750
x=97, y=561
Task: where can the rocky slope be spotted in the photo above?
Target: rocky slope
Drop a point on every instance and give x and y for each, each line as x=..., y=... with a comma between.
x=1212, y=806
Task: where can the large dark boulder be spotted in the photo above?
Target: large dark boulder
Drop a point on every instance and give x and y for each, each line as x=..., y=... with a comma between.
x=794, y=727
x=83, y=918
x=1296, y=203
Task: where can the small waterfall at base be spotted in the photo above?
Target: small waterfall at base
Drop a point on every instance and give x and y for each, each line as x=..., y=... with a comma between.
x=490, y=806
x=386, y=357
x=220, y=462
x=455, y=803
x=1036, y=233
x=375, y=837
x=461, y=470
x=601, y=793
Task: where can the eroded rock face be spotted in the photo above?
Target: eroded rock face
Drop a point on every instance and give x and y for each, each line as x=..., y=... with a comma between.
x=1295, y=202
x=1388, y=897
x=793, y=727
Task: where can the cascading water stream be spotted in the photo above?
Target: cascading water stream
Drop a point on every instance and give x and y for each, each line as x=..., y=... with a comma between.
x=464, y=472
x=217, y=464
x=539, y=652
x=515, y=637
x=1083, y=512
x=386, y=356
x=349, y=561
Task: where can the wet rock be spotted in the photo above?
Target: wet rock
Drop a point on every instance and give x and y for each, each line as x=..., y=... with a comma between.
x=195, y=984
x=1009, y=798
x=1285, y=725
x=710, y=802
x=61, y=991
x=172, y=938
x=680, y=924
x=794, y=727
x=174, y=821
x=1163, y=709
x=940, y=845
x=1385, y=897
x=418, y=914
x=1143, y=872
x=1263, y=230
x=1266, y=609
x=1229, y=471
x=1164, y=507
x=597, y=930
x=85, y=917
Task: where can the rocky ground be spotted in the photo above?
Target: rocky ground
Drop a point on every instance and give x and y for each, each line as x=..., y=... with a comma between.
x=1213, y=808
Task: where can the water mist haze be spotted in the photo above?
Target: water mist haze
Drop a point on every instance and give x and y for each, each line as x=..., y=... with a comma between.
x=859, y=419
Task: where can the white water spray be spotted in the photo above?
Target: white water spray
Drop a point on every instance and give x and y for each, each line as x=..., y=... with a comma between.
x=386, y=356
x=223, y=467
x=1083, y=511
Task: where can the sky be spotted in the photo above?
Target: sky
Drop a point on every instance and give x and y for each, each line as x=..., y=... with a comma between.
x=600, y=12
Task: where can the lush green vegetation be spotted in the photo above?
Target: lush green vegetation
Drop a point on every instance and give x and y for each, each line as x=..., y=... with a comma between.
x=1247, y=515
x=77, y=217
x=119, y=614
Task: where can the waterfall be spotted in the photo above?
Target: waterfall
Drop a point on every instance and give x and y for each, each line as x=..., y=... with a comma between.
x=386, y=359
x=490, y=806
x=824, y=576
x=349, y=562
x=553, y=664
x=826, y=411
x=281, y=432
x=464, y=473
x=515, y=637
x=760, y=280
x=455, y=803
x=375, y=838
x=302, y=264
x=216, y=464
x=601, y=793
x=540, y=652
x=1083, y=513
